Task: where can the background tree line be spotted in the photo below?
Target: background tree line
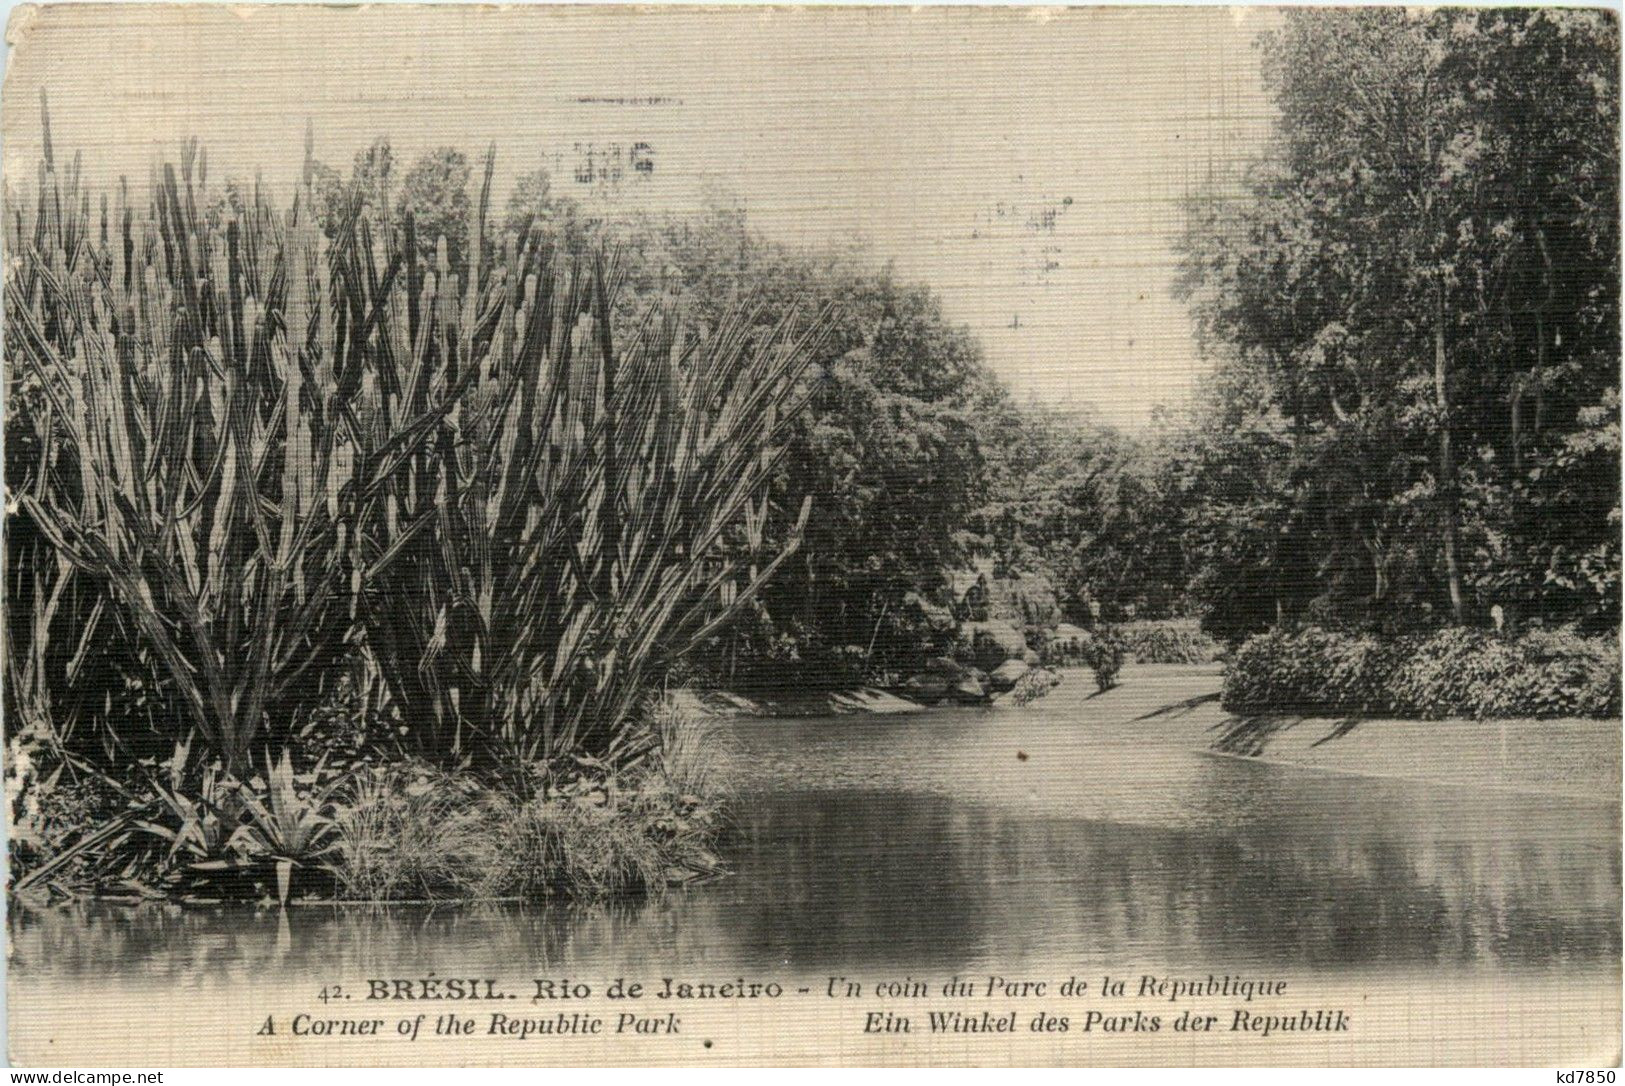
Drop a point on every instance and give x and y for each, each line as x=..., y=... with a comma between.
x=1411, y=306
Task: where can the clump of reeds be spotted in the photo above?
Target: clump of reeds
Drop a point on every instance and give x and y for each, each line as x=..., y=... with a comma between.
x=691, y=751
x=203, y=460
x=266, y=451
x=411, y=832
x=408, y=832
x=586, y=515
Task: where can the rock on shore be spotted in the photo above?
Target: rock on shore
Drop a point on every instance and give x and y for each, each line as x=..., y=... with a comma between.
x=1007, y=674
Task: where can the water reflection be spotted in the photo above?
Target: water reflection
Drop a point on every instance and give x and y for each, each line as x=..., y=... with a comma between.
x=926, y=845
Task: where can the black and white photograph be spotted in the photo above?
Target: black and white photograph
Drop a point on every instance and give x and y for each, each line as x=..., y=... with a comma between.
x=663, y=536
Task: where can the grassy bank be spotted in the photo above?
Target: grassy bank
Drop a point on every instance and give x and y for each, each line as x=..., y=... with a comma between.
x=334, y=819
x=1181, y=706
x=797, y=703
x=1572, y=757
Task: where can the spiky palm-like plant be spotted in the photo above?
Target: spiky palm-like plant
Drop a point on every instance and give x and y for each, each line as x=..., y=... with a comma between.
x=589, y=511
x=196, y=380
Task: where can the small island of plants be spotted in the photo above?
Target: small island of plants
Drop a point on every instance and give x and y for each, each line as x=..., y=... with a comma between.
x=351, y=564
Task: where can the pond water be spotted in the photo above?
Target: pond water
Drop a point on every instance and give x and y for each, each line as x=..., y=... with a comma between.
x=1467, y=924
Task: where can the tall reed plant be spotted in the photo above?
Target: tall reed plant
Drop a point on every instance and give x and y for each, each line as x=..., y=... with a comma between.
x=196, y=382
x=589, y=511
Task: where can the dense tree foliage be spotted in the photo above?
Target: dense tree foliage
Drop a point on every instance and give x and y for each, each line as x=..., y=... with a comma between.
x=1086, y=509
x=1414, y=307
x=889, y=450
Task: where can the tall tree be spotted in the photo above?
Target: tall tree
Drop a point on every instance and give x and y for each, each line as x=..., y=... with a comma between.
x=435, y=193
x=1422, y=269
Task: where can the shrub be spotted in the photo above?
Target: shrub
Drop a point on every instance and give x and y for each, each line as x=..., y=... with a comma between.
x=184, y=826
x=1168, y=641
x=1035, y=684
x=1452, y=672
x=1103, y=653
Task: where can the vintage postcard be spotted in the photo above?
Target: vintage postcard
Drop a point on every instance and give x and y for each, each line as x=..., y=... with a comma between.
x=844, y=536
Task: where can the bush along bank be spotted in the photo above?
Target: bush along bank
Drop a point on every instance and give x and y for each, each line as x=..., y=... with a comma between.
x=1101, y=650
x=1454, y=672
x=1168, y=641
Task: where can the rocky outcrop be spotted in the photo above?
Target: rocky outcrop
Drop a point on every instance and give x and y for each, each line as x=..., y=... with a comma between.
x=946, y=678
x=988, y=644
x=1033, y=685
x=926, y=687
x=1008, y=674
x=970, y=691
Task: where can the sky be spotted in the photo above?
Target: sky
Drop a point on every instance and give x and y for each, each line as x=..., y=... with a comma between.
x=1030, y=165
